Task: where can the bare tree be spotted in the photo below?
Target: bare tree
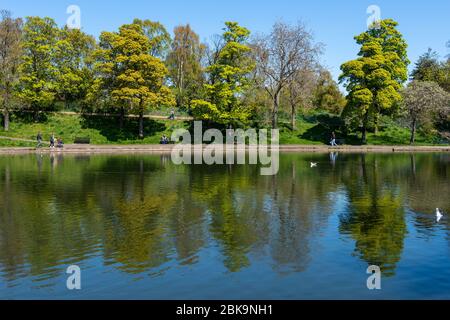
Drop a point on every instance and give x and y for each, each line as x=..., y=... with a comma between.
x=10, y=55
x=280, y=55
x=300, y=92
x=424, y=100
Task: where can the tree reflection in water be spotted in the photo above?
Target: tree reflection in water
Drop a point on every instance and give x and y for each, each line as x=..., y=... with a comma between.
x=141, y=213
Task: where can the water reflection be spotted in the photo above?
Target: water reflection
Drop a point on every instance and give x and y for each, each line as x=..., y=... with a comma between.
x=142, y=214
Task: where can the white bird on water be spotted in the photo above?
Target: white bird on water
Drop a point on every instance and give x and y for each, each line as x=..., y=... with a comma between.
x=313, y=164
x=439, y=215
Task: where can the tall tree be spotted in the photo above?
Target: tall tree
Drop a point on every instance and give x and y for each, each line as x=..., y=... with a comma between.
x=228, y=79
x=72, y=56
x=184, y=64
x=129, y=74
x=38, y=79
x=374, y=79
x=280, y=56
x=10, y=54
x=423, y=100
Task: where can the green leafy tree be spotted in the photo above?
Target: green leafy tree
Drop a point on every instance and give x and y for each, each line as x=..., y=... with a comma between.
x=429, y=68
x=184, y=64
x=229, y=78
x=10, y=55
x=374, y=79
x=327, y=95
x=75, y=76
x=38, y=80
x=129, y=75
x=157, y=35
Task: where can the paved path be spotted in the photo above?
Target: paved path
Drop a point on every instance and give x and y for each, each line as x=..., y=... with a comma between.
x=111, y=149
x=147, y=116
x=16, y=139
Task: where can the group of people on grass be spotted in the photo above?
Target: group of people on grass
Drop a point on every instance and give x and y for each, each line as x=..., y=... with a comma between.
x=164, y=140
x=54, y=143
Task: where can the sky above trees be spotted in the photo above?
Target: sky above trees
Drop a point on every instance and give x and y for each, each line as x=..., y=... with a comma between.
x=424, y=24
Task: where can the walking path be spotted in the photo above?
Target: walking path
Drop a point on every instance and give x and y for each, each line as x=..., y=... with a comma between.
x=146, y=116
x=16, y=139
x=112, y=149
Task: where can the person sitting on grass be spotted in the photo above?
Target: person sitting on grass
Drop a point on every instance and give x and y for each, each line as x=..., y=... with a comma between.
x=60, y=143
x=164, y=140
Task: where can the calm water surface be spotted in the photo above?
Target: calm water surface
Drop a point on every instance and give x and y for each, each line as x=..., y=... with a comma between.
x=140, y=227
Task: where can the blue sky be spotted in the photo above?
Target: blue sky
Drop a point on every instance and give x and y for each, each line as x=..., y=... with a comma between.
x=424, y=23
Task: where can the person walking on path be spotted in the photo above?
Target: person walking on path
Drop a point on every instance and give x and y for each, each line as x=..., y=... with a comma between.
x=333, y=140
x=52, y=141
x=39, y=140
x=172, y=115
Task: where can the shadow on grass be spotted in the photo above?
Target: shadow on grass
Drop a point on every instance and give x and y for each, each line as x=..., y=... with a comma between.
x=109, y=127
x=28, y=117
x=325, y=125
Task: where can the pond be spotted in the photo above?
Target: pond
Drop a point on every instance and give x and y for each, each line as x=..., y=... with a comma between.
x=140, y=227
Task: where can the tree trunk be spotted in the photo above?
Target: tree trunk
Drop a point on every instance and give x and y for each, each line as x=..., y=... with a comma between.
x=376, y=124
x=121, y=118
x=364, y=129
x=413, y=132
x=276, y=102
x=141, y=125
x=6, y=119
x=293, y=116
x=35, y=111
x=364, y=134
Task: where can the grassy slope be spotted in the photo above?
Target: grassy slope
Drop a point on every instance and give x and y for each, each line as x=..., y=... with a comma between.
x=314, y=129
x=99, y=130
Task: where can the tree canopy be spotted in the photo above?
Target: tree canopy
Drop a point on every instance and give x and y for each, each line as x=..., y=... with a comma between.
x=228, y=79
x=375, y=78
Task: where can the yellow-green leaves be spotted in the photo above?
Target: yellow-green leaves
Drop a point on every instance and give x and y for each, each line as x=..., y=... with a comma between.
x=128, y=72
x=374, y=79
x=37, y=84
x=229, y=78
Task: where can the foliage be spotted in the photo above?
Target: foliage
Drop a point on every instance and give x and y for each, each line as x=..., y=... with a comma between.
x=10, y=56
x=184, y=64
x=228, y=80
x=128, y=75
x=157, y=35
x=327, y=96
x=75, y=76
x=38, y=72
x=374, y=79
x=423, y=101
x=429, y=68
